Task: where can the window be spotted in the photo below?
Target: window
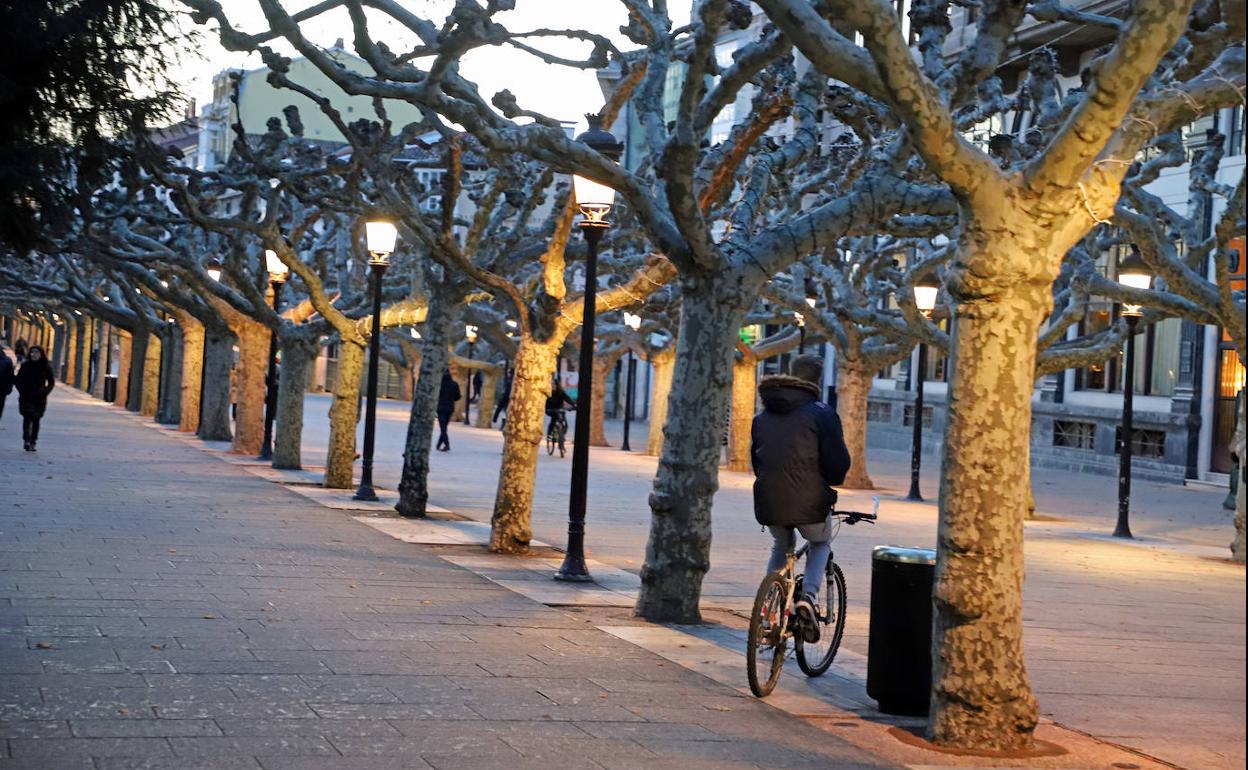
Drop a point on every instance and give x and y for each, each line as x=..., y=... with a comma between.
x=1196, y=134
x=1145, y=443
x=907, y=416
x=879, y=411
x=1074, y=435
x=1235, y=131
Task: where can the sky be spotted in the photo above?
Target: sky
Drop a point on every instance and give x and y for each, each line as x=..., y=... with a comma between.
x=560, y=92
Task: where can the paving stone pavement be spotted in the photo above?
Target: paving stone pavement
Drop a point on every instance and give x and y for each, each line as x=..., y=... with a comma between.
x=159, y=608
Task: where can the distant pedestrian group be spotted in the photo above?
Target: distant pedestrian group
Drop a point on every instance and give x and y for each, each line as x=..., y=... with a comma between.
x=33, y=379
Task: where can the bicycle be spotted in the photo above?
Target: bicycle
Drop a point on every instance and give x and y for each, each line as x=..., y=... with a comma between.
x=773, y=621
x=557, y=432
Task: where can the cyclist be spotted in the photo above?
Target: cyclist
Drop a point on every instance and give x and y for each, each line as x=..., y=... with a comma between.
x=798, y=454
x=554, y=407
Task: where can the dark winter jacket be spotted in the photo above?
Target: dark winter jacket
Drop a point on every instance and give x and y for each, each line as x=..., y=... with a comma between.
x=34, y=382
x=798, y=453
x=6, y=375
x=557, y=398
x=448, y=394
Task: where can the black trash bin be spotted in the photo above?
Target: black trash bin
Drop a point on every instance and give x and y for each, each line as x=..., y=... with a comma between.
x=110, y=388
x=899, y=647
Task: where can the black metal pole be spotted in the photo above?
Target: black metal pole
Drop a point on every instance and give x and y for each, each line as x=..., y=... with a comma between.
x=366, y=491
x=468, y=372
x=270, y=397
x=916, y=419
x=628, y=399
x=574, y=568
x=1123, y=527
x=801, y=339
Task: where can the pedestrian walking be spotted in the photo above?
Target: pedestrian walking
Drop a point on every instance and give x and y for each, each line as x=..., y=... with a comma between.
x=448, y=394
x=7, y=376
x=798, y=454
x=19, y=351
x=34, y=382
x=504, y=399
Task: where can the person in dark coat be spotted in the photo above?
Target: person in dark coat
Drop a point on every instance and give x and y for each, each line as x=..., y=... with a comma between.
x=34, y=382
x=19, y=350
x=7, y=377
x=448, y=394
x=798, y=454
x=504, y=399
x=554, y=405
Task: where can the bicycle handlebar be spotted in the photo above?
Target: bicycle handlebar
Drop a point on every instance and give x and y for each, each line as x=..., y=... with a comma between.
x=853, y=517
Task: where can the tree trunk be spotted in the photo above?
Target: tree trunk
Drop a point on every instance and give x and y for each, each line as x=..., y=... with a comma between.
x=192, y=372
x=679, y=546
x=78, y=380
x=344, y=415
x=981, y=697
x=298, y=354
x=170, y=410
x=603, y=364
x=406, y=381
x=458, y=374
x=102, y=335
x=151, y=377
x=744, y=397
x=218, y=362
x=140, y=341
x=75, y=352
x=663, y=363
x=485, y=401
x=511, y=525
x=125, y=347
x=1238, y=447
x=250, y=387
x=853, y=386
x=414, y=481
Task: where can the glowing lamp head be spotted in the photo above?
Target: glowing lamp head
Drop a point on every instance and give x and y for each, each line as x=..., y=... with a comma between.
x=812, y=293
x=799, y=318
x=470, y=332
x=594, y=198
x=1133, y=272
x=632, y=321
x=925, y=291
x=213, y=269
x=382, y=234
x=276, y=267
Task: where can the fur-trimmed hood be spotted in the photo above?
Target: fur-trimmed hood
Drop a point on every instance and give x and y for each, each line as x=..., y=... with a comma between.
x=782, y=393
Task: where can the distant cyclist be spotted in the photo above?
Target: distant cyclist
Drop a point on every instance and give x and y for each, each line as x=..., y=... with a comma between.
x=798, y=454
x=554, y=406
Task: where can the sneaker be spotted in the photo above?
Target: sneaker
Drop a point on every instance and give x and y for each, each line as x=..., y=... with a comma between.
x=26, y=445
x=808, y=616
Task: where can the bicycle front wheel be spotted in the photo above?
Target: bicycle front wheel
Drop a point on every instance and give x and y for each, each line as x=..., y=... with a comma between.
x=764, y=656
x=814, y=659
x=550, y=443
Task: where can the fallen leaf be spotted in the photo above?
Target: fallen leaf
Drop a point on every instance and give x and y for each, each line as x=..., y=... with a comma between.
x=45, y=645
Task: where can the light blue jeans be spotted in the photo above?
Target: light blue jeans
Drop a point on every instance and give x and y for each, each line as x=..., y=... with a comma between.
x=819, y=536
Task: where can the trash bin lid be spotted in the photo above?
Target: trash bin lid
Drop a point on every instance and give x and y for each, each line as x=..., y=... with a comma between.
x=903, y=555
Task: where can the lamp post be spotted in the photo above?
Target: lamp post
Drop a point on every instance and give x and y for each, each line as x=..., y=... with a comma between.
x=594, y=200
x=633, y=322
x=1134, y=274
x=277, y=278
x=380, y=234
x=470, y=333
x=925, y=291
x=800, y=320
x=213, y=269
x=812, y=299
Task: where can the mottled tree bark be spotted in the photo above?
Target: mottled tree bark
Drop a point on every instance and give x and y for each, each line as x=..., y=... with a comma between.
x=170, y=410
x=414, y=481
x=75, y=354
x=485, y=402
x=744, y=397
x=980, y=692
x=678, y=549
x=344, y=415
x=853, y=386
x=192, y=372
x=460, y=375
x=663, y=363
x=79, y=377
x=250, y=386
x=298, y=354
x=218, y=361
x=102, y=335
x=151, y=376
x=140, y=341
x=125, y=345
x=407, y=379
x=603, y=364
x=511, y=524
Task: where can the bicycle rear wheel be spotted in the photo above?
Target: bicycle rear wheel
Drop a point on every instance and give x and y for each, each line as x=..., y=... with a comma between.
x=814, y=659
x=550, y=442
x=764, y=655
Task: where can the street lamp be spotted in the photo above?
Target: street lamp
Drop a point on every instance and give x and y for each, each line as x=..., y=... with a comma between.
x=595, y=200
x=213, y=268
x=1134, y=274
x=380, y=235
x=470, y=333
x=925, y=291
x=278, y=272
x=632, y=321
x=800, y=320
